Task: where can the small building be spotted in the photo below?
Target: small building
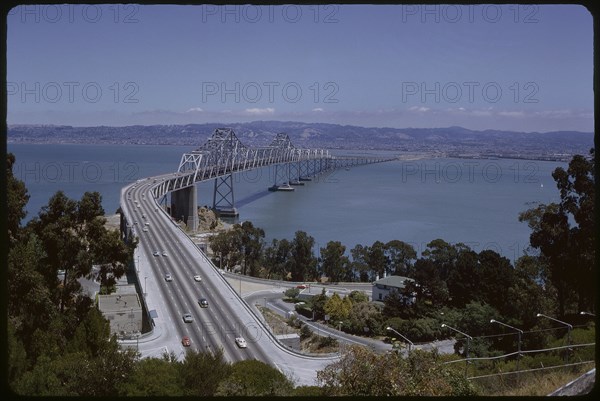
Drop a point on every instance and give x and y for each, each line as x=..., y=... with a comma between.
x=123, y=311
x=385, y=286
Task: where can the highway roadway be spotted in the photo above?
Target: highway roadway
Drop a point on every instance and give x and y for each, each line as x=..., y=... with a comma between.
x=227, y=315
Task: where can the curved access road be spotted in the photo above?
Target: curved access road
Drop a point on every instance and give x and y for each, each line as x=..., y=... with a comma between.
x=227, y=315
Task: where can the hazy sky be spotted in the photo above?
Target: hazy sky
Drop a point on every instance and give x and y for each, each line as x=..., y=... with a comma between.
x=515, y=67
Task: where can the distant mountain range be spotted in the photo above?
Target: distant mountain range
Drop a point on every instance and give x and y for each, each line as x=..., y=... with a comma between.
x=452, y=141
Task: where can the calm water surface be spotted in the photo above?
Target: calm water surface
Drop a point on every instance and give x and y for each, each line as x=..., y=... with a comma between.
x=472, y=201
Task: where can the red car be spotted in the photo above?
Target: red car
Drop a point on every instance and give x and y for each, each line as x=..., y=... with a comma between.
x=301, y=286
x=186, y=341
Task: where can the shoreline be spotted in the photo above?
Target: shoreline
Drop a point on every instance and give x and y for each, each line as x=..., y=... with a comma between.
x=408, y=156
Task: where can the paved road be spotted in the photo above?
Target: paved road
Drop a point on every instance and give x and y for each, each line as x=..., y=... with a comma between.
x=273, y=299
x=227, y=316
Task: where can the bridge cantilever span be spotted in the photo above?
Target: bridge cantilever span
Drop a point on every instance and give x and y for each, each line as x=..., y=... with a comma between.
x=224, y=155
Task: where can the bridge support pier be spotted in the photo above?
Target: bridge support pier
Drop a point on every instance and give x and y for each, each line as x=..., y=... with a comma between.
x=282, y=174
x=184, y=206
x=223, y=199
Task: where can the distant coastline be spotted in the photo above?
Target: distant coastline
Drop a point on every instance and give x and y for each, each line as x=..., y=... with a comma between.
x=411, y=143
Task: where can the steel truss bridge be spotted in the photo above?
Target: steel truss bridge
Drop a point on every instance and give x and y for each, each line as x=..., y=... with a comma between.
x=224, y=155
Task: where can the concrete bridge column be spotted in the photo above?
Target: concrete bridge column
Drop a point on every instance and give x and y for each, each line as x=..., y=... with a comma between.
x=184, y=206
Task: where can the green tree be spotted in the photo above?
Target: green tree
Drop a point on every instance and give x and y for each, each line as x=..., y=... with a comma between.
x=429, y=285
x=358, y=297
x=74, y=237
x=361, y=372
x=225, y=246
x=569, y=250
x=153, y=377
x=360, y=262
x=292, y=293
x=277, y=259
x=334, y=263
x=378, y=261
x=397, y=304
x=529, y=294
x=30, y=304
x=337, y=308
x=254, y=378
x=497, y=275
x=16, y=200
x=250, y=240
x=91, y=335
x=303, y=262
x=202, y=372
x=317, y=304
x=400, y=256
x=75, y=374
x=16, y=356
x=364, y=318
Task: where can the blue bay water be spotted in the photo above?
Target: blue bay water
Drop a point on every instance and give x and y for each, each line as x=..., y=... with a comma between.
x=476, y=202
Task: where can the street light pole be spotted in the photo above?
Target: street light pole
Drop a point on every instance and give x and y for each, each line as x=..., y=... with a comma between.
x=519, y=331
x=340, y=329
x=410, y=343
x=469, y=338
x=587, y=313
x=569, y=328
x=145, y=286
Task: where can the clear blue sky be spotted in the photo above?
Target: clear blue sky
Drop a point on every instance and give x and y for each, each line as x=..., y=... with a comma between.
x=523, y=68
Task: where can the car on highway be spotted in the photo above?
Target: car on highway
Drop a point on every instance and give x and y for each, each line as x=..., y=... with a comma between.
x=168, y=277
x=197, y=278
x=164, y=253
x=185, y=341
x=156, y=253
x=203, y=302
x=241, y=342
x=145, y=229
x=187, y=317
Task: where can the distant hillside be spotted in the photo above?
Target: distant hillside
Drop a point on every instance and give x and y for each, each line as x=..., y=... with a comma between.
x=455, y=141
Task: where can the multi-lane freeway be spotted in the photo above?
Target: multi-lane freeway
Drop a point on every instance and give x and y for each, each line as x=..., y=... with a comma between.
x=227, y=315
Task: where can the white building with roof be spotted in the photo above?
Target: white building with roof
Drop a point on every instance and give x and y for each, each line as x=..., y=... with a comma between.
x=385, y=286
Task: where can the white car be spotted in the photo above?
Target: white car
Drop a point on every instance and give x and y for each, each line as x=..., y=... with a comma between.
x=197, y=278
x=164, y=253
x=145, y=229
x=168, y=277
x=187, y=317
x=241, y=342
